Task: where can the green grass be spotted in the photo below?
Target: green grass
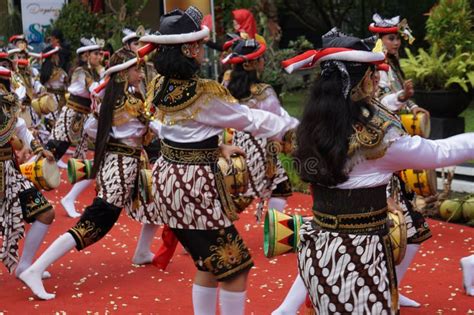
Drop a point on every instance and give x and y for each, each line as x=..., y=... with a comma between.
x=468, y=115
x=294, y=102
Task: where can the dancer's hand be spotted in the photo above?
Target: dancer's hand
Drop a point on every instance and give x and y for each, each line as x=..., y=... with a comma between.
x=228, y=150
x=408, y=90
x=417, y=109
x=48, y=155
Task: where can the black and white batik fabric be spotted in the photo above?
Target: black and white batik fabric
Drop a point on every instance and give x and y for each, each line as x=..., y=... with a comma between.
x=117, y=179
x=265, y=169
x=345, y=273
x=68, y=126
x=21, y=202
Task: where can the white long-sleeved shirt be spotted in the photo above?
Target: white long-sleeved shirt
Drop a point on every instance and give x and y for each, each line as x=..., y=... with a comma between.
x=410, y=152
x=210, y=114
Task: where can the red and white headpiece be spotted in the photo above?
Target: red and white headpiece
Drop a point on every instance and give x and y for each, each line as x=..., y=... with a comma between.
x=90, y=45
x=238, y=54
x=5, y=73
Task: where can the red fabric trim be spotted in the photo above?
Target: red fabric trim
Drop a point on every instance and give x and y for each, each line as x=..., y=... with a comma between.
x=288, y=62
x=165, y=253
x=383, y=30
x=383, y=67
x=5, y=73
x=145, y=50
x=23, y=62
x=229, y=43
x=252, y=56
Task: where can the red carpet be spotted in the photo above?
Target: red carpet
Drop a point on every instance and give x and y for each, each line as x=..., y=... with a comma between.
x=102, y=279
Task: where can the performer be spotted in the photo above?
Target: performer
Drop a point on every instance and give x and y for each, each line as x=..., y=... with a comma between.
x=188, y=188
x=69, y=125
x=122, y=125
x=20, y=201
x=26, y=84
x=395, y=93
x=268, y=179
x=54, y=79
x=349, y=147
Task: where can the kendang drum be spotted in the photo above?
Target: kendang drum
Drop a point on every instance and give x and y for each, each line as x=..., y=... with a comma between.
x=236, y=179
x=78, y=169
x=417, y=125
x=144, y=185
x=281, y=233
x=42, y=173
x=397, y=234
x=45, y=104
x=422, y=182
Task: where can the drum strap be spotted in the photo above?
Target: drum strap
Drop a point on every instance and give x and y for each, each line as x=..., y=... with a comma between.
x=373, y=222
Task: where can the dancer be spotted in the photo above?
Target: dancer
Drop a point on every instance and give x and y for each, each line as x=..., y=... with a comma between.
x=268, y=179
x=188, y=188
x=69, y=125
x=20, y=201
x=358, y=145
x=122, y=125
x=395, y=94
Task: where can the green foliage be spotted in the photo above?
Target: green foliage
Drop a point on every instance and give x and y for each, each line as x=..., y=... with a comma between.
x=76, y=21
x=449, y=62
x=431, y=71
x=450, y=25
x=10, y=24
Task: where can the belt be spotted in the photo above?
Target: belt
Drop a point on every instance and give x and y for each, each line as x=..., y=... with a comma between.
x=122, y=149
x=196, y=156
x=79, y=104
x=373, y=222
x=56, y=91
x=6, y=154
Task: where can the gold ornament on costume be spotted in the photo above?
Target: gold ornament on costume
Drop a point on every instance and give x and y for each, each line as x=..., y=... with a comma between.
x=364, y=89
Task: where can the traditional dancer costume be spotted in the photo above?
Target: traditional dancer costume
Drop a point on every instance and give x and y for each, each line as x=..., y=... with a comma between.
x=122, y=125
x=391, y=94
x=20, y=201
x=27, y=86
x=187, y=186
x=268, y=179
x=53, y=77
x=69, y=125
x=345, y=255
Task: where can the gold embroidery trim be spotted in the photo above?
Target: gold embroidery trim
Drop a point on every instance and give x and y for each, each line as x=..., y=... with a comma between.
x=189, y=156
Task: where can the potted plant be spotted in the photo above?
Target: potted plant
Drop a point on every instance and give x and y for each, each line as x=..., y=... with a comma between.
x=442, y=83
x=443, y=75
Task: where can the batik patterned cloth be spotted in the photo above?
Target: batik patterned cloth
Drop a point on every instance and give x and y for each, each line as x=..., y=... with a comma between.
x=347, y=273
x=22, y=202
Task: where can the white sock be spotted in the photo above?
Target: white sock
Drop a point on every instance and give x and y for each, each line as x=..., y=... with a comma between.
x=402, y=268
x=294, y=299
x=232, y=303
x=70, y=198
x=467, y=266
x=33, y=240
x=277, y=203
x=32, y=276
x=204, y=300
x=143, y=254
x=61, y=164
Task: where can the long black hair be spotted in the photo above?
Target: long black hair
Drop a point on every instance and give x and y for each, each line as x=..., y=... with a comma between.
x=324, y=130
x=47, y=67
x=241, y=81
x=170, y=62
x=113, y=92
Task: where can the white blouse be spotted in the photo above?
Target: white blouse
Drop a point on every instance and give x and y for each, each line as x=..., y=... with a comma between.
x=410, y=152
x=270, y=103
x=23, y=133
x=210, y=114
